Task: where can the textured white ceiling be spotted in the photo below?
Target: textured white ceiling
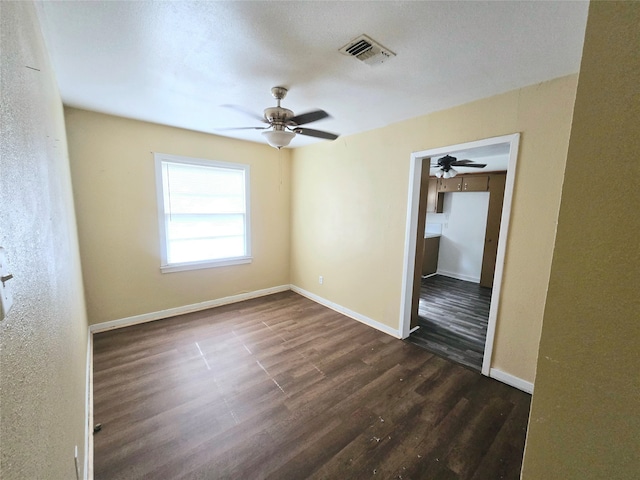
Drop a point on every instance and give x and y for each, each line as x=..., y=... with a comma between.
x=177, y=63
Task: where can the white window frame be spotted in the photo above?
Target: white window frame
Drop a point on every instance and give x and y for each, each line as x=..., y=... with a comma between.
x=165, y=267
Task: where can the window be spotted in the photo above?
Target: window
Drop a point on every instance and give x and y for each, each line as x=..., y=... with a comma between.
x=203, y=208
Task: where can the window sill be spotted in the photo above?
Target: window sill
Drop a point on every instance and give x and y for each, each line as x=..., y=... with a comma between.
x=181, y=267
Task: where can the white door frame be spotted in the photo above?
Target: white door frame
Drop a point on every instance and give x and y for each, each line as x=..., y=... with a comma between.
x=415, y=173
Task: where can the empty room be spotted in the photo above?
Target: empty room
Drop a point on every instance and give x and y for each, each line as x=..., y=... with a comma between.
x=222, y=225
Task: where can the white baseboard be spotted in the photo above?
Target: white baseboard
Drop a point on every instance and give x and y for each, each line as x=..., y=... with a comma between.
x=88, y=446
x=149, y=317
x=512, y=380
x=195, y=307
x=459, y=276
x=349, y=313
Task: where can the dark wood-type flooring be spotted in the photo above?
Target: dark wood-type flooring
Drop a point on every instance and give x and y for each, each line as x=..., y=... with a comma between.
x=453, y=316
x=283, y=388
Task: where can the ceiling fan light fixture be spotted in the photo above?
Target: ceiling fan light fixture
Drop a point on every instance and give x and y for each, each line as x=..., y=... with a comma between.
x=439, y=173
x=278, y=138
x=452, y=172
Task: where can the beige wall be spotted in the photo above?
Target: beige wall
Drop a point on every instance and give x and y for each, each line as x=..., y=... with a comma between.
x=43, y=339
x=584, y=420
x=115, y=193
x=348, y=209
x=349, y=203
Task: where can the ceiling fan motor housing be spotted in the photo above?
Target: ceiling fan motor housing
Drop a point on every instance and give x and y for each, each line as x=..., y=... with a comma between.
x=445, y=162
x=278, y=115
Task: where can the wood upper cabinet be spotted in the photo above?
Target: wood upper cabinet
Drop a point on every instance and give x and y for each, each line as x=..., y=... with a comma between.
x=450, y=184
x=435, y=200
x=464, y=183
x=475, y=183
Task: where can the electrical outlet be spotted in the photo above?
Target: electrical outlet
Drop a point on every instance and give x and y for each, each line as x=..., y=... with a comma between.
x=320, y=279
x=6, y=295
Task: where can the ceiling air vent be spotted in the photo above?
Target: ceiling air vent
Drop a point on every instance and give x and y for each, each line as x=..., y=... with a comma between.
x=367, y=50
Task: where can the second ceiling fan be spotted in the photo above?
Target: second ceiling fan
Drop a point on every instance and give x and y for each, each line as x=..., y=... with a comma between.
x=283, y=125
x=445, y=166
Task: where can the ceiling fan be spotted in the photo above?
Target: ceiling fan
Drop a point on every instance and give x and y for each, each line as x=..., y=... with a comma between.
x=283, y=124
x=445, y=166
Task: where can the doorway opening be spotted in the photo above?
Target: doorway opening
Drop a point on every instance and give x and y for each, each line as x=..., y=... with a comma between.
x=453, y=316
x=454, y=293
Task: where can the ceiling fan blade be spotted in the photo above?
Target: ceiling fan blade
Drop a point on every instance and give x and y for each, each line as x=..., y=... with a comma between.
x=461, y=162
x=472, y=165
x=308, y=117
x=316, y=133
x=246, y=112
x=242, y=128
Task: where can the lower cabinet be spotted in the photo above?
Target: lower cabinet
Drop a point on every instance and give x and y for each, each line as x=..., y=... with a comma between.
x=430, y=255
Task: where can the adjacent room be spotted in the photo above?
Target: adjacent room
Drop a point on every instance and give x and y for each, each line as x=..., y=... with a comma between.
x=318, y=240
x=463, y=216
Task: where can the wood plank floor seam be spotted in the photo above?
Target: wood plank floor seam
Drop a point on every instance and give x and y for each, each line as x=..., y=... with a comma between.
x=280, y=387
x=453, y=319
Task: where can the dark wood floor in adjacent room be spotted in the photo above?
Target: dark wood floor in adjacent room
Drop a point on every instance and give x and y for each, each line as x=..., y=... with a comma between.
x=281, y=387
x=453, y=319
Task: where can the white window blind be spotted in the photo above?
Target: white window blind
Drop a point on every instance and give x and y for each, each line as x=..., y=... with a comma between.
x=204, y=214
